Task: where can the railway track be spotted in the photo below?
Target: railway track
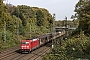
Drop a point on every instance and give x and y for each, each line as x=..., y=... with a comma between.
x=8, y=50
x=13, y=54
x=37, y=54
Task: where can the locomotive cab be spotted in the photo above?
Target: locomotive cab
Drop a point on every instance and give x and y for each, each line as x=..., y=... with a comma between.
x=29, y=44
x=25, y=45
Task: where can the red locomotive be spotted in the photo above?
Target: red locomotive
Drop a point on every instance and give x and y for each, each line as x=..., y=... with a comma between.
x=29, y=44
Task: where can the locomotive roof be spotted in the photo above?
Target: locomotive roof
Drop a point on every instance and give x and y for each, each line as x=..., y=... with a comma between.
x=30, y=38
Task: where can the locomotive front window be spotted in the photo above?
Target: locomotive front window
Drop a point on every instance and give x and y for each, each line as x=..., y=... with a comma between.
x=25, y=42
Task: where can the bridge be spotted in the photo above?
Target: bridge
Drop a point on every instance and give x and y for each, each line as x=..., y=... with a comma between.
x=57, y=29
x=66, y=29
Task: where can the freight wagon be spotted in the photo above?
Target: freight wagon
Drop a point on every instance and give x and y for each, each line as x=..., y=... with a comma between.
x=28, y=45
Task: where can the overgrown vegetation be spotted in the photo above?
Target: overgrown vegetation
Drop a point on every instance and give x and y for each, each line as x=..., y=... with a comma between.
x=76, y=47
x=71, y=49
x=20, y=22
x=82, y=10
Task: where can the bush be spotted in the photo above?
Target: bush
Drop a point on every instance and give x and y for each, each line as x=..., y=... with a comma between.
x=71, y=49
x=10, y=41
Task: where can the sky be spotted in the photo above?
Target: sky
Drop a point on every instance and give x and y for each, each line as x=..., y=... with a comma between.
x=60, y=8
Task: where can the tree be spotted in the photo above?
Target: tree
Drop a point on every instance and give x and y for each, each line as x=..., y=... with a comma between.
x=82, y=10
x=4, y=16
x=10, y=8
x=19, y=14
x=39, y=18
x=2, y=13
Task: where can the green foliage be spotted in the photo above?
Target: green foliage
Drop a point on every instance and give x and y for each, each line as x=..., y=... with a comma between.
x=18, y=14
x=48, y=19
x=39, y=18
x=10, y=40
x=5, y=17
x=69, y=23
x=71, y=49
x=82, y=10
x=18, y=22
x=33, y=16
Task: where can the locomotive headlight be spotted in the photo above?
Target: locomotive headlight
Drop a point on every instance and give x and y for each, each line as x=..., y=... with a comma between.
x=27, y=46
x=22, y=46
